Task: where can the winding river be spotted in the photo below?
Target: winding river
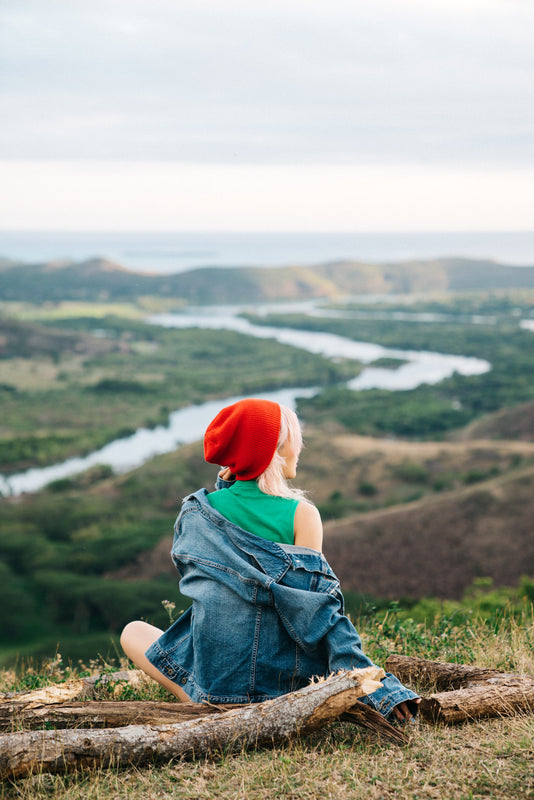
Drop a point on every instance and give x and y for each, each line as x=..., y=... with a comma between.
x=188, y=424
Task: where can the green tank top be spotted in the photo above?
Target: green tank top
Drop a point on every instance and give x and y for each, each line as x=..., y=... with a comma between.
x=265, y=515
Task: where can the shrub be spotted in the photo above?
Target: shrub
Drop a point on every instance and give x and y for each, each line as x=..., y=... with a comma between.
x=367, y=489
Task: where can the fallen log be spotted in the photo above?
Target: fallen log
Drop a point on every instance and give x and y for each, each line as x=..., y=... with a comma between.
x=111, y=714
x=443, y=675
x=273, y=721
x=77, y=689
x=483, y=699
x=476, y=692
x=103, y=714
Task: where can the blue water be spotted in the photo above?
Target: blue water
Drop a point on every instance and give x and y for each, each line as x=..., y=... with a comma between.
x=176, y=252
x=188, y=424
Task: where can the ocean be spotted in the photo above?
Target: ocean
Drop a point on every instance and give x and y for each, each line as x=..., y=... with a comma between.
x=168, y=253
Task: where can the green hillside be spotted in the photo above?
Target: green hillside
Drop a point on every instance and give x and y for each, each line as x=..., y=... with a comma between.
x=81, y=558
x=99, y=280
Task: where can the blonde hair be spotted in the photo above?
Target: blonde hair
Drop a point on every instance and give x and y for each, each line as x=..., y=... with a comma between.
x=272, y=479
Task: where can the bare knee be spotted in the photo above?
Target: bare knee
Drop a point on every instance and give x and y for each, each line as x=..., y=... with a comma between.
x=135, y=640
x=128, y=633
x=137, y=637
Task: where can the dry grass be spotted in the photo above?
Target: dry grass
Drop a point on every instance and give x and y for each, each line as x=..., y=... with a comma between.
x=486, y=759
x=490, y=759
x=396, y=467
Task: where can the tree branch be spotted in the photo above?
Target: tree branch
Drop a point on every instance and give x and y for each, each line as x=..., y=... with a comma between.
x=246, y=726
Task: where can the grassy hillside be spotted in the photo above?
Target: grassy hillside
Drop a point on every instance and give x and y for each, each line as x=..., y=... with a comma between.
x=439, y=546
x=99, y=280
x=489, y=758
x=508, y=423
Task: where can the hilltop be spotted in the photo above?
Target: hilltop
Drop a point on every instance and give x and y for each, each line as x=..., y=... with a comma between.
x=99, y=280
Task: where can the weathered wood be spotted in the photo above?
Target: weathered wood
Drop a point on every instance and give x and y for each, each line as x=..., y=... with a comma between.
x=102, y=714
x=275, y=720
x=441, y=675
x=361, y=714
x=79, y=688
x=477, y=692
x=491, y=698
x=114, y=713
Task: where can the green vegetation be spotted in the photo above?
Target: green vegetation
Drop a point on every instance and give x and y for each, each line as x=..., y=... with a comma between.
x=70, y=388
x=100, y=281
x=447, y=630
x=74, y=557
x=61, y=553
x=91, y=552
x=388, y=363
x=503, y=304
x=427, y=411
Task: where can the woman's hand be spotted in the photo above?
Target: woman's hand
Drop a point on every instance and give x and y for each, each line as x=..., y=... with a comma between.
x=226, y=474
x=402, y=711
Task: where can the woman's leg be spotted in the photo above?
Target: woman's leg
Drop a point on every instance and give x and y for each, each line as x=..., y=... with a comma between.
x=136, y=638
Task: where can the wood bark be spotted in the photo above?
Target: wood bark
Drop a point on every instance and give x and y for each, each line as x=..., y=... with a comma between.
x=111, y=714
x=476, y=692
x=362, y=714
x=300, y=712
x=440, y=675
x=101, y=714
x=77, y=689
x=482, y=699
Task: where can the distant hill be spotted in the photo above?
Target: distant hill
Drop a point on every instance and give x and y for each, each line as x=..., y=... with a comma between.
x=439, y=545
x=98, y=280
x=515, y=423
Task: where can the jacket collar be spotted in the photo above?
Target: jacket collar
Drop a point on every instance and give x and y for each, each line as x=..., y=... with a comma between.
x=270, y=557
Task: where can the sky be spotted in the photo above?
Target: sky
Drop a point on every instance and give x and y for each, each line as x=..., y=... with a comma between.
x=288, y=115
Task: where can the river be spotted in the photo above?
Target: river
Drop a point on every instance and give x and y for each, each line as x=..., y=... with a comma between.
x=188, y=424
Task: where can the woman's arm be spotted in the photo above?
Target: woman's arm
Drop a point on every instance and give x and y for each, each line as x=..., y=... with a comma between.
x=308, y=526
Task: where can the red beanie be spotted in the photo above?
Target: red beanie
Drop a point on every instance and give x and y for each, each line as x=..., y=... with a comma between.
x=244, y=437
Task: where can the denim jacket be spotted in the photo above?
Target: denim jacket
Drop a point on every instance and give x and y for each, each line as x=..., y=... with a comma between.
x=265, y=617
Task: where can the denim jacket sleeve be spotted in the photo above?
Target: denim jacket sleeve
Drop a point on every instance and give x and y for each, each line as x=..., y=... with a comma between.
x=316, y=618
x=220, y=483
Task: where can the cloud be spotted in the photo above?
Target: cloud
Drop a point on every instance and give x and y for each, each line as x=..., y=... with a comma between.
x=285, y=82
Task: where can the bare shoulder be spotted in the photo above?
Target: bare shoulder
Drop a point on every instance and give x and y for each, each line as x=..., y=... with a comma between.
x=307, y=511
x=308, y=526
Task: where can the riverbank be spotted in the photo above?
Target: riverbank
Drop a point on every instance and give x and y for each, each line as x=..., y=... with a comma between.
x=74, y=387
x=405, y=370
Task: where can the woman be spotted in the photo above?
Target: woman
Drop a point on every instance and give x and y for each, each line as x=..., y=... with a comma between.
x=267, y=612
